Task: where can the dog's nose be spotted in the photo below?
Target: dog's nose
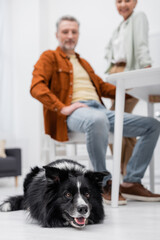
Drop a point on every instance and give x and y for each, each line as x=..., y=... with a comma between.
x=82, y=209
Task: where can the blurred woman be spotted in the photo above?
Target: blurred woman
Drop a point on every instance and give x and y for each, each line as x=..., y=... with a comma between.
x=128, y=50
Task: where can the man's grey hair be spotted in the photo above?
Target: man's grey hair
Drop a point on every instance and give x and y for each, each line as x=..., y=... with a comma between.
x=66, y=18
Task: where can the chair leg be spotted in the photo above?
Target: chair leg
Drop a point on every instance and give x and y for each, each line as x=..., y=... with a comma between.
x=16, y=181
x=71, y=151
x=52, y=151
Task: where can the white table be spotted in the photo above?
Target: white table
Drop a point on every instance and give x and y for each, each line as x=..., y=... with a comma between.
x=149, y=79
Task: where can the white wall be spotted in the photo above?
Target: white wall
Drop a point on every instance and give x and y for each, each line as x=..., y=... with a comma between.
x=6, y=84
x=25, y=37
x=98, y=19
x=32, y=27
x=23, y=45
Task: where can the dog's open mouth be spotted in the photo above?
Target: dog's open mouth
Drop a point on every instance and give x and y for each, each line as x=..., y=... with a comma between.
x=79, y=222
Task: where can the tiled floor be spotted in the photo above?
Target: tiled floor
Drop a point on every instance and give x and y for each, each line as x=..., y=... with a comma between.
x=136, y=221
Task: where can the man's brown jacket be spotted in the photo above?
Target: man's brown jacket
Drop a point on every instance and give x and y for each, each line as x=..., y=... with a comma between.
x=52, y=85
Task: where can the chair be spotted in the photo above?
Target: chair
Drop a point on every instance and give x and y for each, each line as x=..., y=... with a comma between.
x=152, y=99
x=76, y=138
x=11, y=165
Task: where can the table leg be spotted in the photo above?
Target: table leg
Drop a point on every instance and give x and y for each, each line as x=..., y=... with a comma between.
x=119, y=110
x=151, y=165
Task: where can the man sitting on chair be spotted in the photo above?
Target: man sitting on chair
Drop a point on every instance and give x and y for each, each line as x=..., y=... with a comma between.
x=71, y=93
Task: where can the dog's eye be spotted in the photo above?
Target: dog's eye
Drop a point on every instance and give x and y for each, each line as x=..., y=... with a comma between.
x=87, y=195
x=68, y=195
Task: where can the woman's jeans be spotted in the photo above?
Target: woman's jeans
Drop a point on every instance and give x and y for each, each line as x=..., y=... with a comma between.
x=96, y=122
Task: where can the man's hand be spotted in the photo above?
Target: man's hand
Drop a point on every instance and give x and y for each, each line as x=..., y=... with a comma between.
x=69, y=109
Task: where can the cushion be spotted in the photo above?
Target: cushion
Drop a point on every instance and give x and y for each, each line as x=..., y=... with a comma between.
x=2, y=148
x=8, y=164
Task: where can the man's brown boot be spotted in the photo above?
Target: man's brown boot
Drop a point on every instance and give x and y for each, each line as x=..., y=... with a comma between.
x=107, y=194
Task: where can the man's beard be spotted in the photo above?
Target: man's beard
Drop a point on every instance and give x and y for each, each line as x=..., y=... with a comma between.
x=69, y=45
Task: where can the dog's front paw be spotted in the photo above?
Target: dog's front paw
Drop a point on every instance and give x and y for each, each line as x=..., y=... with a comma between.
x=5, y=207
x=66, y=224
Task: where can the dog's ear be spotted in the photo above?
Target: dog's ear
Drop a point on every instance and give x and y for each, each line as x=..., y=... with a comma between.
x=55, y=175
x=96, y=176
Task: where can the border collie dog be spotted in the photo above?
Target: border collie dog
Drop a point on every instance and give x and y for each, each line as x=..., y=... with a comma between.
x=62, y=193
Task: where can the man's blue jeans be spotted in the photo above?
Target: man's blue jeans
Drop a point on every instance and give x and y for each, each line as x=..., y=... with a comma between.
x=96, y=122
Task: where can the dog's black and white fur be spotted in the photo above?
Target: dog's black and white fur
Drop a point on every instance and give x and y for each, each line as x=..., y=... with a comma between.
x=62, y=193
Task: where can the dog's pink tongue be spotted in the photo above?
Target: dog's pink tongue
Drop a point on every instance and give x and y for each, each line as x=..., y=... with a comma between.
x=80, y=220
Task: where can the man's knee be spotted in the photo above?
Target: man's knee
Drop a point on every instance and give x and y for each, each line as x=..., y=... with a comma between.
x=100, y=121
x=154, y=123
